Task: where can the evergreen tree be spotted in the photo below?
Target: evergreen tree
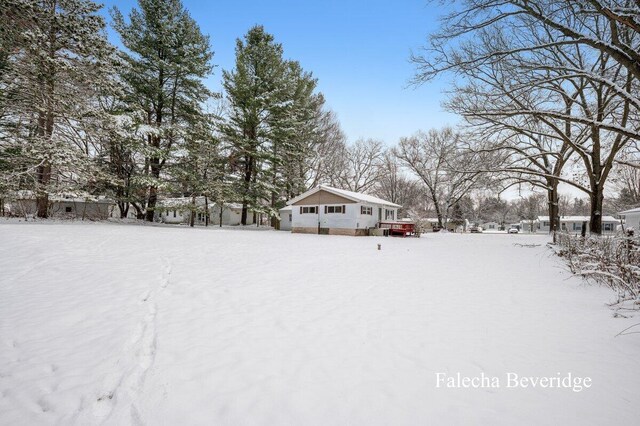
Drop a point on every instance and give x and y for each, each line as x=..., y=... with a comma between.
x=292, y=124
x=272, y=107
x=54, y=56
x=166, y=61
x=202, y=170
x=253, y=88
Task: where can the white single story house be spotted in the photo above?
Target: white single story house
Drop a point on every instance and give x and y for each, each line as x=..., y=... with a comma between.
x=178, y=210
x=327, y=210
x=632, y=219
x=490, y=226
x=285, y=218
x=231, y=214
x=573, y=224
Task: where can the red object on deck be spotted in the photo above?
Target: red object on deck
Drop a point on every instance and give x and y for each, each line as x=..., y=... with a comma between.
x=399, y=228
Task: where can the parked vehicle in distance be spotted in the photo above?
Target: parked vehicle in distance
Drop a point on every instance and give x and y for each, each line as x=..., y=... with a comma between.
x=475, y=229
x=513, y=230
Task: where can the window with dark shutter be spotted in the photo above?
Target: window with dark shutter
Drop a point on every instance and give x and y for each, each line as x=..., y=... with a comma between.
x=344, y=209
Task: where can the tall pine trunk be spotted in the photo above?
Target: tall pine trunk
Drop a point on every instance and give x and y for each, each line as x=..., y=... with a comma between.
x=153, y=191
x=248, y=174
x=192, y=217
x=45, y=120
x=206, y=209
x=43, y=171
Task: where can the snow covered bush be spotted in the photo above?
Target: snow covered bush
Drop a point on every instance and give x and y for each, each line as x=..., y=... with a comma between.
x=613, y=261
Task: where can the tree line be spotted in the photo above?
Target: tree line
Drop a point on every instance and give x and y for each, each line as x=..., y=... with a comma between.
x=549, y=89
x=547, y=92
x=138, y=123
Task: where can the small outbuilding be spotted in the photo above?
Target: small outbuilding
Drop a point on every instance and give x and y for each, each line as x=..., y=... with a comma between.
x=328, y=210
x=64, y=206
x=285, y=218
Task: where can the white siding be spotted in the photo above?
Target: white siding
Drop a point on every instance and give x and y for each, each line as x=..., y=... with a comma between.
x=352, y=218
x=285, y=219
x=230, y=216
x=632, y=220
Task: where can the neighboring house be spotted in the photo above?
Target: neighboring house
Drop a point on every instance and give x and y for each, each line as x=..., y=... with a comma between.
x=231, y=214
x=573, y=224
x=490, y=226
x=285, y=218
x=631, y=218
x=65, y=206
x=430, y=224
x=327, y=210
x=178, y=210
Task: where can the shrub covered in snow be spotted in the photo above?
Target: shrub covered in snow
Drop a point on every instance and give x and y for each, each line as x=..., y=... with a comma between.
x=613, y=261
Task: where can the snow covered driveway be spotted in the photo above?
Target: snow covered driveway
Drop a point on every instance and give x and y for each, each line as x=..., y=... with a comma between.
x=122, y=324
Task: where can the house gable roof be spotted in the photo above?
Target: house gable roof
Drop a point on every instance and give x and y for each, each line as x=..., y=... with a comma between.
x=636, y=210
x=350, y=195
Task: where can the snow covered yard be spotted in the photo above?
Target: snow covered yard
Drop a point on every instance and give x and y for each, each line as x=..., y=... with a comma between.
x=124, y=324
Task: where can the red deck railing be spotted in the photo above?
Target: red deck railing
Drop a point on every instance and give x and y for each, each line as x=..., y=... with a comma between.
x=399, y=228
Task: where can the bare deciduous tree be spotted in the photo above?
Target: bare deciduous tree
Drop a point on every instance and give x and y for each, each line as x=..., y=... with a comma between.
x=362, y=165
x=583, y=53
x=395, y=186
x=439, y=159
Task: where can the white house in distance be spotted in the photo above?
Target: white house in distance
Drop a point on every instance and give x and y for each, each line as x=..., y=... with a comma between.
x=327, y=210
x=632, y=219
x=231, y=214
x=490, y=226
x=178, y=210
x=573, y=224
x=430, y=224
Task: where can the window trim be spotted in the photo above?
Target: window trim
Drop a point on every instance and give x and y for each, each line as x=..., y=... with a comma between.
x=335, y=209
x=308, y=209
x=389, y=214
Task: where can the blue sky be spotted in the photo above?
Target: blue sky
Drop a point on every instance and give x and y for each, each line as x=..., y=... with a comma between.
x=358, y=50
